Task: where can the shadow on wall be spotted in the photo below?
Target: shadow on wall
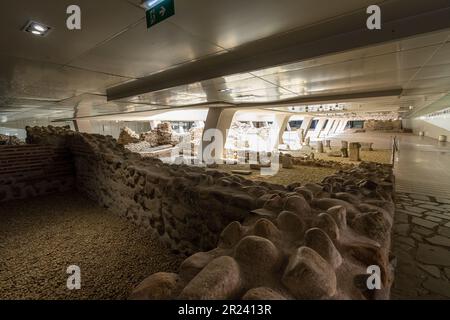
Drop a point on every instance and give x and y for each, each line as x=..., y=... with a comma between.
x=432, y=128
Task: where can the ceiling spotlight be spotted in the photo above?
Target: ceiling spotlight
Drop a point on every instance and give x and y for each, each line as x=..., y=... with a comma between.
x=411, y=107
x=148, y=4
x=36, y=28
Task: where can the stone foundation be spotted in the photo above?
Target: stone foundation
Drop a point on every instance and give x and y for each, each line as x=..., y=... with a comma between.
x=250, y=239
x=10, y=140
x=383, y=125
x=162, y=135
x=34, y=170
x=306, y=242
x=308, y=160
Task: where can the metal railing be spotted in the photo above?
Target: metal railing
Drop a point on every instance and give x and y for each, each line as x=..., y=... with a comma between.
x=394, y=149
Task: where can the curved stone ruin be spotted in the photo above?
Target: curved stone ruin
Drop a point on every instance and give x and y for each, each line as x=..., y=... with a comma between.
x=127, y=136
x=245, y=239
x=161, y=135
x=10, y=140
x=306, y=242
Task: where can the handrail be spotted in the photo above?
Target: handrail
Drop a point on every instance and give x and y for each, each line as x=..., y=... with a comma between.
x=394, y=149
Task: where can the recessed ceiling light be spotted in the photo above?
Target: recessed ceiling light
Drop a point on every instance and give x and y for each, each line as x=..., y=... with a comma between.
x=37, y=28
x=147, y=4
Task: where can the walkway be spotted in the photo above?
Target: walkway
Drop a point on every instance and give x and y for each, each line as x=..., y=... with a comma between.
x=421, y=233
x=421, y=238
x=422, y=166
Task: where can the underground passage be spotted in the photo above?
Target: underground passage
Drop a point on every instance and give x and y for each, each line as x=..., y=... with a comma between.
x=183, y=150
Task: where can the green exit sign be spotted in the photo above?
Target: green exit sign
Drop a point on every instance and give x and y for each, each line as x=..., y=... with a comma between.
x=159, y=10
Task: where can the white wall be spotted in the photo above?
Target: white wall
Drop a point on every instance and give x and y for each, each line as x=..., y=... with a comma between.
x=433, y=127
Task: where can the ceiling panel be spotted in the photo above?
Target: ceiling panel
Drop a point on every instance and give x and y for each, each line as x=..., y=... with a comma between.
x=331, y=59
x=100, y=19
x=66, y=74
x=353, y=67
x=424, y=40
x=140, y=52
x=443, y=82
x=28, y=78
x=239, y=22
x=442, y=56
x=435, y=71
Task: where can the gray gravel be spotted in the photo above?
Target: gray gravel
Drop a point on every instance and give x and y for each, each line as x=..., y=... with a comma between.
x=41, y=237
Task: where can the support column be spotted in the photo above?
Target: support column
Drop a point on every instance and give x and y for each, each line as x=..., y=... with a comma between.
x=327, y=129
x=154, y=124
x=342, y=126
x=333, y=127
x=319, y=127
x=306, y=124
x=281, y=122
x=83, y=126
x=220, y=119
x=338, y=124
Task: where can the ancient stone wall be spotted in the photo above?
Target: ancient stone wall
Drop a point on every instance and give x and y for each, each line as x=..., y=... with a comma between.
x=10, y=140
x=34, y=170
x=147, y=141
x=127, y=136
x=314, y=241
x=251, y=240
x=187, y=207
x=383, y=125
x=308, y=160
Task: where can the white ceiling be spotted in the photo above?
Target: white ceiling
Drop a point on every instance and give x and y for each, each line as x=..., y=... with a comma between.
x=66, y=74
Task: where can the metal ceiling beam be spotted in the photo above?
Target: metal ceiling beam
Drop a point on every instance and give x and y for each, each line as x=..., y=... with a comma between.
x=329, y=98
x=401, y=19
x=303, y=100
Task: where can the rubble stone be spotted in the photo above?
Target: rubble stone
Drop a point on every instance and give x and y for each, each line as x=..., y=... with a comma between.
x=308, y=275
x=192, y=209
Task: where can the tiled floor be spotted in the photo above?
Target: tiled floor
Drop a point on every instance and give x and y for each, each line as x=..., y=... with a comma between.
x=421, y=238
x=421, y=235
x=421, y=244
x=423, y=166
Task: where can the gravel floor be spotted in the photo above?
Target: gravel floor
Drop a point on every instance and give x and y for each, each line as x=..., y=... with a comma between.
x=303, y=174
x=380, y=156
x=41, y=237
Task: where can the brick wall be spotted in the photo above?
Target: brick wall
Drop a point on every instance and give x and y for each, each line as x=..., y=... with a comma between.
x=34, y=170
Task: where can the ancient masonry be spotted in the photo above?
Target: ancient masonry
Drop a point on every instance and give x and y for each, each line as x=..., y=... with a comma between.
x=10, y=140
x=248, y=239
x=383, y=125
x=34, y=170
x=162, y=135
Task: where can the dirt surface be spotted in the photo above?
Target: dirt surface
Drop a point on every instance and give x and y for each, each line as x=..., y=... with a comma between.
x=303, y=174
x=379, y=156
x=41, y=237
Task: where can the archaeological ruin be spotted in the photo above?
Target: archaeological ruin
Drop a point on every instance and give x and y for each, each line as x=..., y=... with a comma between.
x=202, y=158
x=311, y=241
